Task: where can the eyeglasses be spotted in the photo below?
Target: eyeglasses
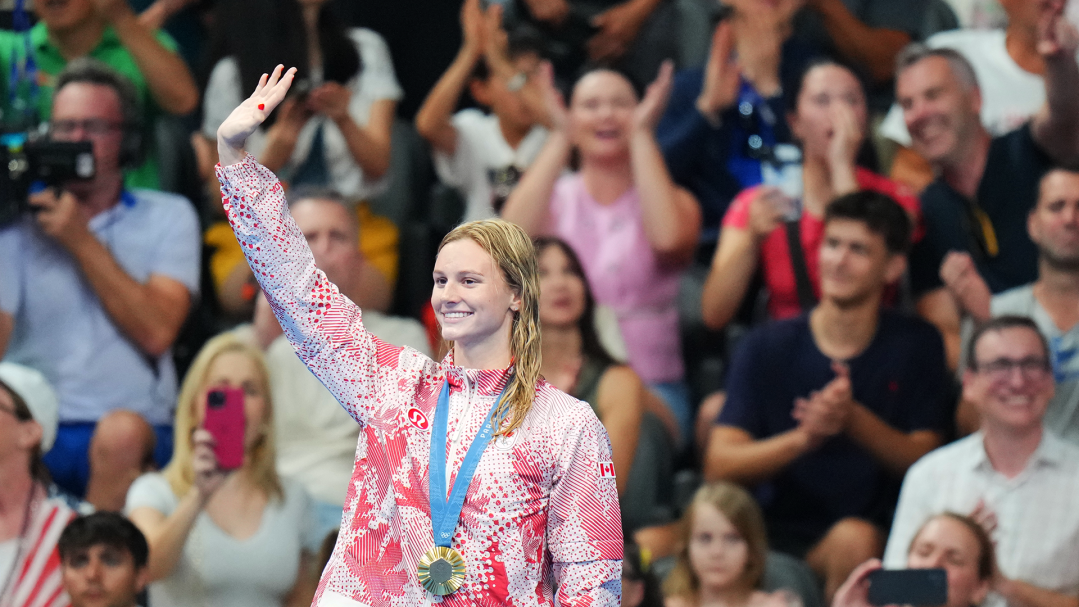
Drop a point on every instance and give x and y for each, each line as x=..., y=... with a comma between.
x=90, y=126
x=1032, y=367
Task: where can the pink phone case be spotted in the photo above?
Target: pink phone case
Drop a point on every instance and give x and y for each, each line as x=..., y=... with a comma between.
x=225, y=421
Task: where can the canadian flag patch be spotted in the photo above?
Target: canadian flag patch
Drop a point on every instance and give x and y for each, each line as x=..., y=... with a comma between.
x=417, y=418
x=606, y=469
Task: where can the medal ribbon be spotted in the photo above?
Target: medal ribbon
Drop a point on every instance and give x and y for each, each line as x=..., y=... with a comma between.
x=446, y=512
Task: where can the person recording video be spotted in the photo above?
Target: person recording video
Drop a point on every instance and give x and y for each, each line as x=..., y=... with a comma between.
x=96, y=281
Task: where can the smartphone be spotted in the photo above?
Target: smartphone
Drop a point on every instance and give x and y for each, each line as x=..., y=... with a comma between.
x=225, y=421
x=908, y=587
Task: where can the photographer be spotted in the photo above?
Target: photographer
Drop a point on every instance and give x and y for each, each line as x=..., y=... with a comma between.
x=96, y=282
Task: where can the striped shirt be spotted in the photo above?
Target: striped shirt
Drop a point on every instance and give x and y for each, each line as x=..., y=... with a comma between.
x=540, y=524
x=36, y=580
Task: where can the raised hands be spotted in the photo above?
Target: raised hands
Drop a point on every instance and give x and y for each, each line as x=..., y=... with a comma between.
x=550, y=105
x=250, y=114
x=722, y=75
x=650, y=109
x=1056, y=35
x=472, y=27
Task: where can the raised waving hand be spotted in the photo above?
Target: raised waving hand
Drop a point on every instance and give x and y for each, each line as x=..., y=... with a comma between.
x=247, y=116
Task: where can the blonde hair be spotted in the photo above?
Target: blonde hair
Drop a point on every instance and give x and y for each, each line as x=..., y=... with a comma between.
x=512, y=251
x=259, y=458
x=739, y=507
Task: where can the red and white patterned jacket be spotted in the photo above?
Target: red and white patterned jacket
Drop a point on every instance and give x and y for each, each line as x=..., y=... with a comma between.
x=37, y=580
x=541, y=514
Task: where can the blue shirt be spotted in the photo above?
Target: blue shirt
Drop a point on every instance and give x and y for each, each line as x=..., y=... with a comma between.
x=61, y=328
x=711, y=162
x=900, y=377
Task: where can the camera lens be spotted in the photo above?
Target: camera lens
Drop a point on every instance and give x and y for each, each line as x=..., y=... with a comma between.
x=216, y=399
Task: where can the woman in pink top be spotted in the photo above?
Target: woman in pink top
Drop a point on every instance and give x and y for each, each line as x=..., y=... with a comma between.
x=829, y=121
x=633, y=228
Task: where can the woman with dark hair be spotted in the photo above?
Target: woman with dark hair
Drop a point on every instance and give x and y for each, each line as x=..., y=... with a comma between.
x=30, y=520
x=575, y=362
x=334, y=130
x=828, y=120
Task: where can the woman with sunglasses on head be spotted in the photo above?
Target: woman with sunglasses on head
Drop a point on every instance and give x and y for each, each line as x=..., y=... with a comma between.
x=634, y=230
x=828, y=121
x=476, y=482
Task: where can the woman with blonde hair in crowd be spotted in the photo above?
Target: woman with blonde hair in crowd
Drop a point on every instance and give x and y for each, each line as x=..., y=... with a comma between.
x=724, y=552
x=476, y=482
x=224, y=538
x=954, y=542
x=634, y=230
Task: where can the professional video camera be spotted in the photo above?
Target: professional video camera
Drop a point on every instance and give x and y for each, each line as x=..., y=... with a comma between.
x=24, y=161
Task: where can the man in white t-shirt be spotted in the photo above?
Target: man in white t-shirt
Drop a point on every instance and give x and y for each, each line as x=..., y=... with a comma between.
x=1009, y=70
x=1052, y=301
x=316, y=438
x=483, y=155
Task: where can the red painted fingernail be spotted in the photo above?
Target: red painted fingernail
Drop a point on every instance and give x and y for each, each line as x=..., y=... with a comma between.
x=262, y=106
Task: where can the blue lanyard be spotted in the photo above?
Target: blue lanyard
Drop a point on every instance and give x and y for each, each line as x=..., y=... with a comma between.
x=445, y=512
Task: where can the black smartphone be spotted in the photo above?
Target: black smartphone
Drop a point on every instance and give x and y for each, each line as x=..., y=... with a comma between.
x=908, y=587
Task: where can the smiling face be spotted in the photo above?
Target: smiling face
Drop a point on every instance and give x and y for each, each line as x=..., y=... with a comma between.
x=949, y=544
x=472, y=301
x=855, y=263
x=823, y=89
x=103, y=576
x=1053, y=225
x=718, y=554
x=1014, y=400
x=941, y=114
x=234, y=369
x=601, y=114
x=562, y=289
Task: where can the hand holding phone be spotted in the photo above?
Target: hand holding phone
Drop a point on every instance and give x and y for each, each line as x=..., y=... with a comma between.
x=908, y=587
x=225, y=421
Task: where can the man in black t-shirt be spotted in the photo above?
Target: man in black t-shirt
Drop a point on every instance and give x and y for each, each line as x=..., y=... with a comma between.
x=975, y=211
x=825, y=412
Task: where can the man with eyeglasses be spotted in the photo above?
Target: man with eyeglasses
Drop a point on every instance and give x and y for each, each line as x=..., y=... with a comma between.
x=975, y=209
x=1052, y=301
x=1017, y=479
x=95, y=284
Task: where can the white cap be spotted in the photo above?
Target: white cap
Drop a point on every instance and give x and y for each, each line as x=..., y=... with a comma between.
x=33, y=388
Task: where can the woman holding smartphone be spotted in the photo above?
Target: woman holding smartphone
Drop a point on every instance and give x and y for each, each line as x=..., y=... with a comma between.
x=228, y=538
x=829, y=123
x=475, y=480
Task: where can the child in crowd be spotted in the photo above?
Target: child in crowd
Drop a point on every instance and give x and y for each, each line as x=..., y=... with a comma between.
x=723, y=555
x=481, y=154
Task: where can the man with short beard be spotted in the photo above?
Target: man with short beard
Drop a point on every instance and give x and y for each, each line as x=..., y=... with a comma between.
x=825, y=412
x=975, y=208
x=1052, y=301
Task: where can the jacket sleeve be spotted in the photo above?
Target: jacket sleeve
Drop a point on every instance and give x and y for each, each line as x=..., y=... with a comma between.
x=584, y=525
x=323, y=326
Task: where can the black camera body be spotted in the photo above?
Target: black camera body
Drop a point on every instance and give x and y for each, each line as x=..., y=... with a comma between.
x=23, y=162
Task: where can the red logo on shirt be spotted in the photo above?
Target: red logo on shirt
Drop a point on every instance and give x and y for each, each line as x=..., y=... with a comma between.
x=606, y=469
x=417, y=418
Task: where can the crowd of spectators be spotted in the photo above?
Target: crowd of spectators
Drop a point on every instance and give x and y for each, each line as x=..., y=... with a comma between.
x=814, y=265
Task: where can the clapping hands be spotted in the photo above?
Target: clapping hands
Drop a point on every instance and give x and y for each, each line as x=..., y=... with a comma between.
x=825, y=412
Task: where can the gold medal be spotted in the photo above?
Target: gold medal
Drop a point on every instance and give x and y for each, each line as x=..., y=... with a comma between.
x=441, y=570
